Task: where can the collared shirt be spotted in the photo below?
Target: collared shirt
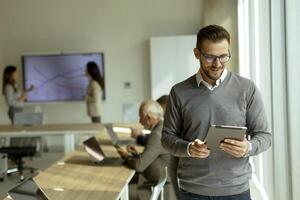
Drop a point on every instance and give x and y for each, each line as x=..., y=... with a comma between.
x=200, y=80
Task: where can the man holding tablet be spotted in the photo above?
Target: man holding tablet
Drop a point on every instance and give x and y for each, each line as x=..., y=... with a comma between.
x=214, y=96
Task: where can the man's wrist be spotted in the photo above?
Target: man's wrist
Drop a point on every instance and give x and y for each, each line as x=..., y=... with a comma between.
x=249, y=148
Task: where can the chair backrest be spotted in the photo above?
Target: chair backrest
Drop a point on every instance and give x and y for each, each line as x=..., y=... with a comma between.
x=160, y=186
x=27, y=118
x=24, y=118
x=27, y=142
x=2, y=141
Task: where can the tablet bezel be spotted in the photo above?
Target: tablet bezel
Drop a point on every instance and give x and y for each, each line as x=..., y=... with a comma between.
x=217, y=133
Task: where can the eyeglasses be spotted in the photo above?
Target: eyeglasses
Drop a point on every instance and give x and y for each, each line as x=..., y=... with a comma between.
x=212, y=58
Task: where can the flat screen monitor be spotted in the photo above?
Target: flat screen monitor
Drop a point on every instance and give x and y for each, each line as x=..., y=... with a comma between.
x=59, y=77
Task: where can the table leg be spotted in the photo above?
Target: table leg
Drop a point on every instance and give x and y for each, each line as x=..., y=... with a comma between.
x=125, y=193
x=69, y=143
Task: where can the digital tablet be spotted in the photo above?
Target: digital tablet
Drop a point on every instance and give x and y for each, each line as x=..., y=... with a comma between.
x=218, y=133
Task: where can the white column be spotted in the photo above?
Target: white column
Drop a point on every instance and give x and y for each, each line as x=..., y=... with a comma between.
x=69, y=142
x=292, y=19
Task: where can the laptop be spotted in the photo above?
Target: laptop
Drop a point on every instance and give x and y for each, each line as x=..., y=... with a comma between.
x=27, y=190
x=24, y=118
x=115, y=139
x=97, y=155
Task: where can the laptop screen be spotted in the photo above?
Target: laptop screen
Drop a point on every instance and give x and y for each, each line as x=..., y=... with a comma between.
x=93, y=149
x=112, y=134
x=27, y=190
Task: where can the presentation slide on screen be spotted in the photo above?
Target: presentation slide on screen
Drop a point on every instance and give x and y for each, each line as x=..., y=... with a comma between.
x=58, y=77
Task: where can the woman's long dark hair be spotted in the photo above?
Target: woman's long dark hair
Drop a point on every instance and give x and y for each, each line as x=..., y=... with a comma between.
x=7, y=78
x=93, y=70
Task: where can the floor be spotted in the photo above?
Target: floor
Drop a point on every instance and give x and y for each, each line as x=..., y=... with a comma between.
x=49, y=158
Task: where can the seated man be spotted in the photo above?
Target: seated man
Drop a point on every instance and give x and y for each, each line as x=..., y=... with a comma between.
x=137, y=133
x=153, y=160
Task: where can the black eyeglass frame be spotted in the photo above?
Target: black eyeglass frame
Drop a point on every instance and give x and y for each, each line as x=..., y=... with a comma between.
x=214, y=58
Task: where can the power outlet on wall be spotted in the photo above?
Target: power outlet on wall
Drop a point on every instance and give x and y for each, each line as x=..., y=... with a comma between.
x=127, y=85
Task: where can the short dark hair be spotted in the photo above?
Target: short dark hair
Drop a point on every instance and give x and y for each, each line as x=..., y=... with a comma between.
x=163, y=100
x=213, y=33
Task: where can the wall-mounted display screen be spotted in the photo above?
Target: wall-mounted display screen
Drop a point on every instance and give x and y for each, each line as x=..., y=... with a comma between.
x=59, y=77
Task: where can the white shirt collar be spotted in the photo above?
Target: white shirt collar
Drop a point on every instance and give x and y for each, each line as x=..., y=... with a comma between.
x=200, y=80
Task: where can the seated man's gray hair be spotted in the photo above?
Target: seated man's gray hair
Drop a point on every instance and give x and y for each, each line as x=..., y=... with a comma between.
x=152, y=108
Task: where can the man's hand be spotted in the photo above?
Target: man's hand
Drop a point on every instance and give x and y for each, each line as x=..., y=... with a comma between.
x=123, y=153
x=131, y=149
x=235, y=148
x=135, y=133
x=198, y=149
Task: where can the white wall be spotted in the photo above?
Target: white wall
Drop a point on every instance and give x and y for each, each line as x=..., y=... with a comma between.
x=172, y=61
x=121, y=29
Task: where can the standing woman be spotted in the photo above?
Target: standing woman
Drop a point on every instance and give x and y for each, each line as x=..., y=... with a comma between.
x=14, y=97
x=94, y=92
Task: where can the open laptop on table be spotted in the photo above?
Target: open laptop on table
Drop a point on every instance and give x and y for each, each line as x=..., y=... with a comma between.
x=27, y=190
x=97, y=155
x=116, y=141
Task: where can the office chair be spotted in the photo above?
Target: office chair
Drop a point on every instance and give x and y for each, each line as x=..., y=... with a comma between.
x=2, y=141
x=20, y=148
x=159, y=188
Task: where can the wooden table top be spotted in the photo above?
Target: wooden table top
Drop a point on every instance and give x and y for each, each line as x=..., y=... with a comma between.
x=57, y=129
x=76, y=177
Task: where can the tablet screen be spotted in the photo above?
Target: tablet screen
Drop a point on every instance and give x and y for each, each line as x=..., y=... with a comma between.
x=216, y=134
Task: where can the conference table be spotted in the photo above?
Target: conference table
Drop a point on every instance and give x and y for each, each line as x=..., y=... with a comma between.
x=69, y=131
x=76, y=177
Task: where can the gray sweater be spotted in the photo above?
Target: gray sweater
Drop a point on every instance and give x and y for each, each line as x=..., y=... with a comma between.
x=154, y=159
x=191, y=109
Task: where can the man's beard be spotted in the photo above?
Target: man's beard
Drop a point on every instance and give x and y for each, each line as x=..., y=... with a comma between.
x=207, y=74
